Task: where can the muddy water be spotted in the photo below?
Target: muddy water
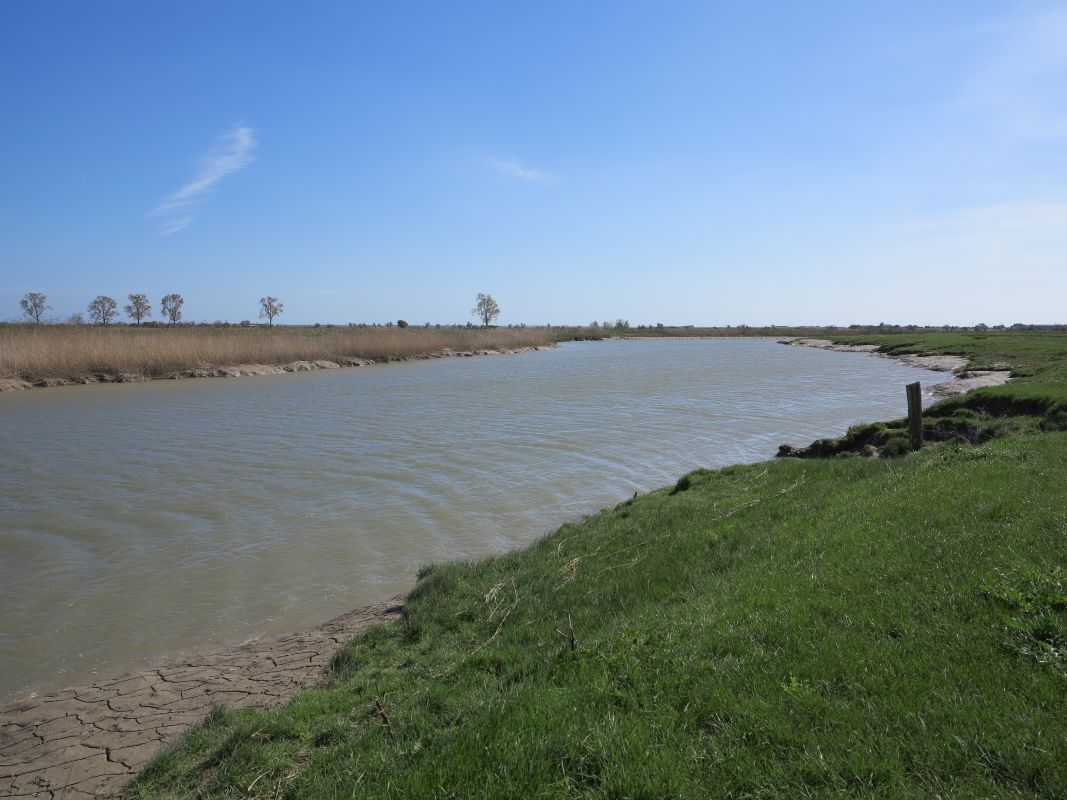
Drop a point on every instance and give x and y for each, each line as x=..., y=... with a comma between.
x=143, y=521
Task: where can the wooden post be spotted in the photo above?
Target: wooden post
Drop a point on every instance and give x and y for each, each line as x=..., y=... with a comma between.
x=915, y=414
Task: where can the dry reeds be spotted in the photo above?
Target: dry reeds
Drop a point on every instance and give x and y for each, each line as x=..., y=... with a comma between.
x=71, y=352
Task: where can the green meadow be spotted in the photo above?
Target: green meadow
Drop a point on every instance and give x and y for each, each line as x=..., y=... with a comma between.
x=840, y=626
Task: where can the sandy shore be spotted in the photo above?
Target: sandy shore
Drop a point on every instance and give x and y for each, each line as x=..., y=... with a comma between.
x=89, y=741
x=249, y=370
x=961, y=381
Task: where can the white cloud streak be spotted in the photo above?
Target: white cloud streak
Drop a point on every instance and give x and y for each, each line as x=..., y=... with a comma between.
x=232, y=152
x=516, y=169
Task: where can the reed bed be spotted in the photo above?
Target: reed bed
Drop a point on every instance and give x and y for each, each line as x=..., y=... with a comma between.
x=37, y=352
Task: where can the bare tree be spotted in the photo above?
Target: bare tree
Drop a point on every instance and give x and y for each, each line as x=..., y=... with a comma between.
x=102, y=309
x=171, y=307
x=485, y=309
x=269, y=308
x=34, y=306
x=139, y=307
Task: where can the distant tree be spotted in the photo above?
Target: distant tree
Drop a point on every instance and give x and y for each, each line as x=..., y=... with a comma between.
x=269, y=308
x=171, y=307
x=34, y=304
x=485, y=309
x=138, y=308
x=102, y=309
x=75, y=319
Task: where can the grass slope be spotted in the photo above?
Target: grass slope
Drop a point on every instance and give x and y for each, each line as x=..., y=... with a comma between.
x=835, y=627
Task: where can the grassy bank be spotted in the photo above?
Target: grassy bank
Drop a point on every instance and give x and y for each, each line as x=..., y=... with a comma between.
x=1035, y=400
x=799, y=628
x=68, y=352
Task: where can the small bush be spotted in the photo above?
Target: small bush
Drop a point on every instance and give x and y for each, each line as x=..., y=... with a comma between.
x=895, y=447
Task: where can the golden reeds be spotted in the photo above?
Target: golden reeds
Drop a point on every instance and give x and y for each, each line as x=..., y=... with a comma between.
x=71, y=352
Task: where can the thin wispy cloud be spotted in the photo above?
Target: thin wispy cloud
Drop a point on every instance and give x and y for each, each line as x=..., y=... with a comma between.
x=516, y=169
x=232, y=152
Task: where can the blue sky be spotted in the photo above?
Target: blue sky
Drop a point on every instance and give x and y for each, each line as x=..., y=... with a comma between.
x=690, y=163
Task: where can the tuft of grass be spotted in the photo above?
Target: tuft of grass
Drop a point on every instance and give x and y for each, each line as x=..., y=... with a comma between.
x=38, y=352
x=1035, y=622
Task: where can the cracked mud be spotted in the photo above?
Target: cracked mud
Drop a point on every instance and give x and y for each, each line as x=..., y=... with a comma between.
x=89, y=741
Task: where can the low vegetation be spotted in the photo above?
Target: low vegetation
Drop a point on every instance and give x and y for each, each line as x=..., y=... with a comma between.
x=1036, y=399
x=622, y=327
x=798, y=628
x=70, y=352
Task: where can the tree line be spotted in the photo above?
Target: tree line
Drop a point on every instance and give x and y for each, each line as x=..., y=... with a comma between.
x=103, y=310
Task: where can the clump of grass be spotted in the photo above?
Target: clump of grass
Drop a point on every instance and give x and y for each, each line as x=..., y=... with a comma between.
x=36, y=352
x=1035, y=625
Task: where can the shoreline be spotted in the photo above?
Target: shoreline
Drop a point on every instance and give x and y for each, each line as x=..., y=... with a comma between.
x=96, y=737
x=961, y=381
x=90, y=740
x=252, y=370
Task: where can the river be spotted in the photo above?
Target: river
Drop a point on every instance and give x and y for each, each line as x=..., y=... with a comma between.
x=149, y=520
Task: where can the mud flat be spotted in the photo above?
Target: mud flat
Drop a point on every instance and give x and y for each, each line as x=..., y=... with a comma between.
x=962, y=380
x=89, y=741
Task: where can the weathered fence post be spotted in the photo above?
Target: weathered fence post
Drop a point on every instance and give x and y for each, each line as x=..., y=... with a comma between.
x=915, y=414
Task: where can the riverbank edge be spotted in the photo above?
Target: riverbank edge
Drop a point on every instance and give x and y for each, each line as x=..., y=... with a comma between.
x=252, y=370
x=963, y=379
x=90, y=740
x=187, y=761
x=116, y=773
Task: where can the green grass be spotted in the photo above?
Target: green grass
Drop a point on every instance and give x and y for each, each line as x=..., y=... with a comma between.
x=832, y=627
x=1035, y=400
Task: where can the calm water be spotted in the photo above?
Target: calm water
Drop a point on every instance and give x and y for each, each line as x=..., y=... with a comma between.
x=141, y=521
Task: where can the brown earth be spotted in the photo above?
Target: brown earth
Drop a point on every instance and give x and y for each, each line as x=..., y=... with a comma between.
x=89, y=741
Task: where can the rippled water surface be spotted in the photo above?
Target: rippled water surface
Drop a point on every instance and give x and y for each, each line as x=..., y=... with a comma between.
x=142, y=521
